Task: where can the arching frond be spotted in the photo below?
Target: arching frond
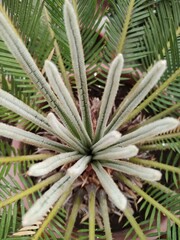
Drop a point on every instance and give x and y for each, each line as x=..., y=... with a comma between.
x=164, y=44
x=125, y=29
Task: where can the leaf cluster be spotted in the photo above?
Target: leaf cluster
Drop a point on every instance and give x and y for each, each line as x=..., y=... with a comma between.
x=144, y=31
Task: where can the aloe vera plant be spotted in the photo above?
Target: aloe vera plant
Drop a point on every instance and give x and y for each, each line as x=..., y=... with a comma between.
x=78, y=155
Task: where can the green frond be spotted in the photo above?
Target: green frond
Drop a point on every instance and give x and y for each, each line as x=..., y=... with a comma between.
x=13, y=159
x=32, y=27
x=160, y=43
x=13, y=78
x=135, y=225
x=152, y=200
x=17, y=194
x=164, y=44
x=6, y=149
x=170, y=200
x=89, y=18
x=153, y=217
x=55, y=10
x=28, y=19
x=90, y=15
x=15, y=81
x=168, y=111
x=167, y=141
x=10, y=219
x=170, y=158
x=125, y=29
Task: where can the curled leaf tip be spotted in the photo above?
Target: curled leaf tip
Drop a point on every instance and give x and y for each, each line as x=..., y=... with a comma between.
x=171, y=122
x=132, y=151
x=162, y=63
x=25, y=222
x=108, y=140
x=120, y=57
x=47, y=63
x=116, y=135
x=50, y=116
x=156, y=176
x=118, y=62
x=30, y=172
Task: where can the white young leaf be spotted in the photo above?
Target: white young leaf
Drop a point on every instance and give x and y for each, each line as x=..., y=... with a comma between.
x=137, y=94
x=110, y=91
x=64, y=133
x=77, y=55
x=149, y=131
x=106, y=141
x=46, y=201
x=114, y=193
x=19, y=107
x=114, y=153
x=43, y=204
x=30, y=138
x=79, y=166
x=144, y=173
x=22, y=55
x=66, y=100
x=48, y=165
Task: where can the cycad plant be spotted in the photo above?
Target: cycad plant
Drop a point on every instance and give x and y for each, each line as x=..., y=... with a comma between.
x=94, y=158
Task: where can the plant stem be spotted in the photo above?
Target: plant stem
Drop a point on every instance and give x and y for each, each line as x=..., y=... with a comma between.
x=161, y=187
x=150, y=199
x=164, y=136
x=163, y=113
x=155, y=165
x=125, y=27
x=134, y=224
x=24, y=158
x=168, y=45
x=92, y=199
x=154, y=95
x=72, y=217
x=52, y=214
x=157, y=116
x=31, y=190
x=155, y=147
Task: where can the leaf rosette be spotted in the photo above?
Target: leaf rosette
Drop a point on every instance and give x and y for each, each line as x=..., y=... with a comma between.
x=83, y=153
